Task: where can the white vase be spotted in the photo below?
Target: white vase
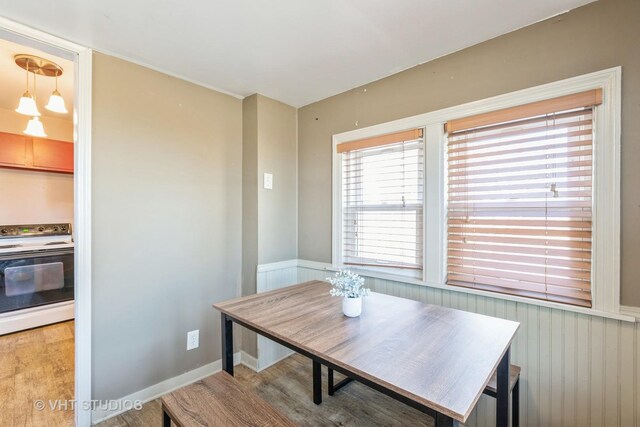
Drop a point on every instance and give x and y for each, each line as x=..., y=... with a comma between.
x=352, y=307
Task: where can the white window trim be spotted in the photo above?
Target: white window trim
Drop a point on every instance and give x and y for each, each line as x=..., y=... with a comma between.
x=606, y=188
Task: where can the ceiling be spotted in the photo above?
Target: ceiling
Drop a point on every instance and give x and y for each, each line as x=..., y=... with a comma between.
x=13, y=80
x=296, y=51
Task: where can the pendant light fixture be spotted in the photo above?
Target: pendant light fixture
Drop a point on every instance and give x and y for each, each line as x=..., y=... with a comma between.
x=35, y=128
x=27, y=104
x=56, y=102
x=43, y=67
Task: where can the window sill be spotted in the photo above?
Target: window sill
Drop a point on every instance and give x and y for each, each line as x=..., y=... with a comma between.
x=626, y=314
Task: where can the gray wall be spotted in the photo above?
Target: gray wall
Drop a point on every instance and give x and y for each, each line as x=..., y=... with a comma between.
x=269, y=216
x=249, y=208
x=594, y=37
x=167, y=160
x=278, y=208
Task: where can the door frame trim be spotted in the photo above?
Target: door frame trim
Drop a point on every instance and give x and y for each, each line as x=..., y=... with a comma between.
x=82, y=208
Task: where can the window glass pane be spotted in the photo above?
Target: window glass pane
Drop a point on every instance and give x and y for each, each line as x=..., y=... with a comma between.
x=382, y=205
x=519, y=207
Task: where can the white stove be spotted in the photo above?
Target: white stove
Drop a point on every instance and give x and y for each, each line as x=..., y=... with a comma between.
x=36, y=275
x=34, y=237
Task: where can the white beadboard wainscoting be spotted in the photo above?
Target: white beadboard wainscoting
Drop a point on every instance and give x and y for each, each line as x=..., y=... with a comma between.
x=270, y=277
x=577, y=369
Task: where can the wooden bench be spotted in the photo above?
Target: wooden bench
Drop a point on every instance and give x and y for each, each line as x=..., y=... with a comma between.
x=490, y=389
x=514, y=378
x=219, y=400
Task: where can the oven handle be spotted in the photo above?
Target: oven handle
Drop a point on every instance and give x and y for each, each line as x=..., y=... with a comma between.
x=36, y=254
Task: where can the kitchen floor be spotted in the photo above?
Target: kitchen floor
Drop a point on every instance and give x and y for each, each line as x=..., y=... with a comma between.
x=287, y=386
x=37, y=364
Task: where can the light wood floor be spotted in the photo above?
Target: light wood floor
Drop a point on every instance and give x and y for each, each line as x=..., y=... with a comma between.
x=287, y=386
x=36, y=364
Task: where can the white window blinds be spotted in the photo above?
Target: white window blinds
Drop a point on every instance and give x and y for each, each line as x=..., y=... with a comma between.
x=382, y=200
x=520, y=200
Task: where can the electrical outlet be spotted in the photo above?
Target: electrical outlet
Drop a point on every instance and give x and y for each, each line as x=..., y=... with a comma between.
x=268, y=181
x=193, y=339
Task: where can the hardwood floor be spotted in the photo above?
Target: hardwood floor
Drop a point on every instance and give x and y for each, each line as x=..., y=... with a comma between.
x=287, y=386
x=37, y=364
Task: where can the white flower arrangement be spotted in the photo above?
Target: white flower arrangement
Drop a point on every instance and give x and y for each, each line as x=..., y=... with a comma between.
x=347, y=284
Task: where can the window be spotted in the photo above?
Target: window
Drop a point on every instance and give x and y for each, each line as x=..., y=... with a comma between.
x=382, y=201
x=514, y=197
x=520, y=200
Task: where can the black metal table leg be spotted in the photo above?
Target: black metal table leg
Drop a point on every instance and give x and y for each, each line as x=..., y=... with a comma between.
x=330, y=381
x=166, y=420
x=317, y=383
x=333, y=388
x=227, y=343
x=443, y=420
x=515, y=403
x=503, y=407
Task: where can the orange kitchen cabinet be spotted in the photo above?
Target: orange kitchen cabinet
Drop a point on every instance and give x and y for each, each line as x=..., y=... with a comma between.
x=23, y=152
x=14, y=150
x=52, y=155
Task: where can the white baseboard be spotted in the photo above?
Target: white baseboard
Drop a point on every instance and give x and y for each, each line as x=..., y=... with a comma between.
x=249, y=361
x=273, y=362
x=153, y=392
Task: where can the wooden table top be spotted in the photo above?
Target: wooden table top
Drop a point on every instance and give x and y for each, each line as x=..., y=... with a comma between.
x=437, y=356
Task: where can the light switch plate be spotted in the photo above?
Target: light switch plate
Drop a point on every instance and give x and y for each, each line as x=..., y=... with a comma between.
x=268, y=181
x=193, y=339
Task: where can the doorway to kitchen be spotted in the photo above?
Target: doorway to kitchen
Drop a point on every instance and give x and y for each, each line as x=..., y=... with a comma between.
x=45, y=270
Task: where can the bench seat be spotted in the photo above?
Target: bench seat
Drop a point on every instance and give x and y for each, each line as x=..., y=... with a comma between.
x=219, y=400
x=514, y=375
x=489, y=390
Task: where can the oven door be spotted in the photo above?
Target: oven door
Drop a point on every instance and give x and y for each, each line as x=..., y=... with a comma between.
x=35, y=279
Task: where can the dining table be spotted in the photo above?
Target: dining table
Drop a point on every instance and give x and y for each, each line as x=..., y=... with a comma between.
x=433, y=358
